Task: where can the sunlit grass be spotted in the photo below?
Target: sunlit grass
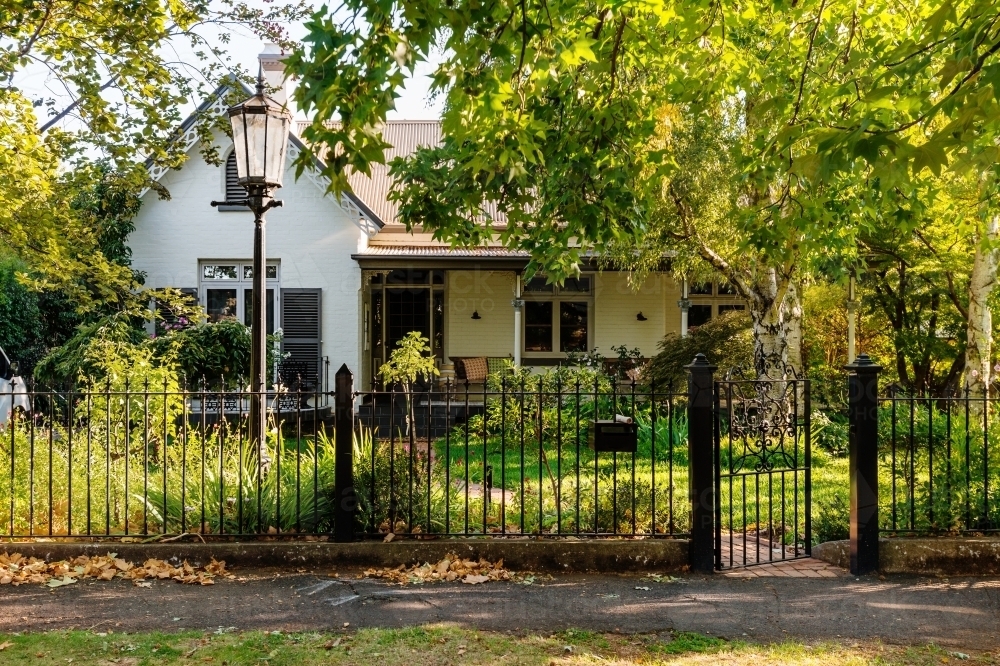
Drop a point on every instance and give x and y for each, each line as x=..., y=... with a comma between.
x=422, y=646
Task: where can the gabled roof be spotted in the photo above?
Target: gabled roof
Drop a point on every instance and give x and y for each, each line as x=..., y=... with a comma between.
x=404, y=138
x=216, y=104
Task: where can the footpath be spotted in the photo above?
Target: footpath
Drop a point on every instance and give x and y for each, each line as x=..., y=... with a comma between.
x=806, y=600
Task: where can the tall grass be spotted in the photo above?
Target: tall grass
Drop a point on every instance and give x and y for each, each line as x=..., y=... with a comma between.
x=81, y=480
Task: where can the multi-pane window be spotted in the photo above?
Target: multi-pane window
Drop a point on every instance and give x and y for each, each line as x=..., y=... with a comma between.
x=226, y=291
x=557, y=318
x=402, y=301
x=538, y=326
x=706, y=297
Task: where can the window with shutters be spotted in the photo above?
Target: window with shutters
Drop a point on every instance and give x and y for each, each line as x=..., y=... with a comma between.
x=234, y=191
x=226, y=291
x=301, y=328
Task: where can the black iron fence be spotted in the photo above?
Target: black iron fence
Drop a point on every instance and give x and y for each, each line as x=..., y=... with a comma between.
x=121, y=460
x=560, y=454
x=524, y=455
x=939, y=464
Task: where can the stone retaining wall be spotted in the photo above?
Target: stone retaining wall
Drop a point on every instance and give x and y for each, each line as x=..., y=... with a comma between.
x=517, y=554
x=941, y=556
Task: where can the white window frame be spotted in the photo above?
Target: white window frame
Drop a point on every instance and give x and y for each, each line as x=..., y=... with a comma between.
x=557, y=296
x=241, y=284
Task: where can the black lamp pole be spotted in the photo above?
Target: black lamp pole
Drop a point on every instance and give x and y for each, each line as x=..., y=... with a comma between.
x=255, y=155
x=259, y=201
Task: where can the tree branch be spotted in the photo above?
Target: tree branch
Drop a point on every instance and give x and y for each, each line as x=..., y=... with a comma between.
x=805, y=65
x=77, y=102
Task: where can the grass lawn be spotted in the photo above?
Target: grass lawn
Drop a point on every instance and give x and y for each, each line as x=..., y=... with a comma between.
x=443, y=645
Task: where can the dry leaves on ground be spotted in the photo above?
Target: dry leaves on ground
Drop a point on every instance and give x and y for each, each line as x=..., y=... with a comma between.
x=451, y=568
x=16, y=569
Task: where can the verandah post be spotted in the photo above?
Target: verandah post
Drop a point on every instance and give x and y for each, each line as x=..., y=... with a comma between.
x=343, y=481
x=863, y=466
x=701, y=473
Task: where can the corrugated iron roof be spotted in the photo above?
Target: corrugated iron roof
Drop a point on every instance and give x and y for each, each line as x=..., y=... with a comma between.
x=405, y=136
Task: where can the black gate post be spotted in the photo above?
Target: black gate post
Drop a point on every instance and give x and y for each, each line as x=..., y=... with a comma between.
x=343, y=481
x=701, y=463
x=863, y=413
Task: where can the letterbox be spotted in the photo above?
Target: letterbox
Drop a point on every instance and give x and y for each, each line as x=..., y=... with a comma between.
x=619, y=435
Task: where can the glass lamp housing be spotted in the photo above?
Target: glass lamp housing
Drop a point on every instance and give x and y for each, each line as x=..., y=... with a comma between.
x=260, y=139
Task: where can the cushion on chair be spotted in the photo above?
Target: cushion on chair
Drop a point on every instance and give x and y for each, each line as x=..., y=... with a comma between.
x=495, y=364
x=475, y=369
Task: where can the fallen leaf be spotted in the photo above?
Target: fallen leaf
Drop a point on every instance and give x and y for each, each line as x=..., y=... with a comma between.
x=389, y=537
x=5, y=645
x=475, y=579
x=59, y=582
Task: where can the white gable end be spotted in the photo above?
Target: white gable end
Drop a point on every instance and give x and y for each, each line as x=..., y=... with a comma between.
x=311, y=238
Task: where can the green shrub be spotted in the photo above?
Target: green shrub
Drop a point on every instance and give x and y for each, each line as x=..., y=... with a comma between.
x=831, y=517
x=213, y=352
x=726, y=341
x=22, y=330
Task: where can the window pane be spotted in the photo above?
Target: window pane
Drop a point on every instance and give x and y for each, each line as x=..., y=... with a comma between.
x=437, y=277
x=701, y=289
x=538, y=326
x=580, y=285
x=573, y=327
x=216, y=272
x=248, y=309
x=726, y=288
x=271, y=272
x=729, y=308
x=698, y=315
x=538, y=285
x=220, y=304
x=438, y=321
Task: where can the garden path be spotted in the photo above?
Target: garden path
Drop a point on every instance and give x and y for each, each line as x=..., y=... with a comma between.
x=765, y=560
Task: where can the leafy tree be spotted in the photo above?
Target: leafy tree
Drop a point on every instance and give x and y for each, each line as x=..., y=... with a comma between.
x=122, y=89
x=571, y=126
x=21, y=324
x=725, y=340
x=411, y=360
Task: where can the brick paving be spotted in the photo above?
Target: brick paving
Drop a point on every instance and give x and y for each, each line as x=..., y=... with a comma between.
x=760, y=558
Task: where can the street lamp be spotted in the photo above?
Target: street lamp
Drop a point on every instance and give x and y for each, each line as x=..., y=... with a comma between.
x=260, y=138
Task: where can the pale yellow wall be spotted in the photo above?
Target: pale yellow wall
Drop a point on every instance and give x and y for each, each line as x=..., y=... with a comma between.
x=615, y=309
x=616, y=305
x=490, y=294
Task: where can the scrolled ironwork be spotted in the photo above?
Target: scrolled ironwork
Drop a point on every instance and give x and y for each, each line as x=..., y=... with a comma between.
x=762, y=420
x=770, y=366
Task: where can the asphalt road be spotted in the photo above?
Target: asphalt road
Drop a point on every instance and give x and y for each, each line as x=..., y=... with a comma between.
x=957, y=612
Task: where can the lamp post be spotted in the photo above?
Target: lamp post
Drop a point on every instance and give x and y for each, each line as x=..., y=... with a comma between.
x=260, y=139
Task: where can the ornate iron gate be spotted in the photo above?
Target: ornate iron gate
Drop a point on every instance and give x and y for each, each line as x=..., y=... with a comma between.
x=762, y=468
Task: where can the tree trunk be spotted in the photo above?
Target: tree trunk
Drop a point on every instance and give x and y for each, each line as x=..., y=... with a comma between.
x=979, y=325
x=777, y=326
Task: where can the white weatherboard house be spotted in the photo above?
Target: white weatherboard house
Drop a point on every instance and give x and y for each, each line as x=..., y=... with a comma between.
x=346, y=281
